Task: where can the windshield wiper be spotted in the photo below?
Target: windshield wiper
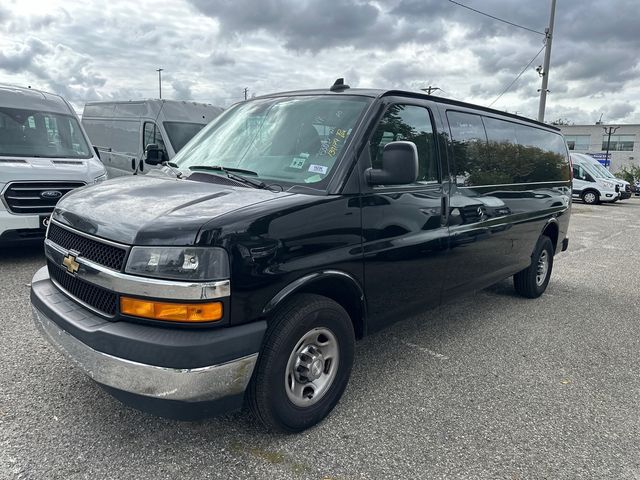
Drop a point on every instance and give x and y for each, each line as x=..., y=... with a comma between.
x=233, y=176
x=173, y=167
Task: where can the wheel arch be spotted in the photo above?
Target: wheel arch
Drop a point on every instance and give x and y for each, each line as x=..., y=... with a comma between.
x=337, y=285
x=552, y=230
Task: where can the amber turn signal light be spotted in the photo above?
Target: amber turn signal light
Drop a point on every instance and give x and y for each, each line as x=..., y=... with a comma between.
x=169, y=311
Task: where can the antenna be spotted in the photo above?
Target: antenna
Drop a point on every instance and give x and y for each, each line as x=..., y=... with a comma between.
x=339, y=85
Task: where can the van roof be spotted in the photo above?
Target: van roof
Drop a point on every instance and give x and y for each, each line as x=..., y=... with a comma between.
x=182, y=110
x=31, y=99
x=377, y=93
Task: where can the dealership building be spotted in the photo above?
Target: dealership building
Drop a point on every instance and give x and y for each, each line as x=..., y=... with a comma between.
x=624, y=145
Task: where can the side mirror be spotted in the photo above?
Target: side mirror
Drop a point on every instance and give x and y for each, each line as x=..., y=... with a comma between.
x=95, y=149
x=588, y=178
x=399, y=165
x=154, y=155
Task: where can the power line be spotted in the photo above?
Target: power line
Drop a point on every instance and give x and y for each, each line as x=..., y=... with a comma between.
x=519, y=75
x=496, y=18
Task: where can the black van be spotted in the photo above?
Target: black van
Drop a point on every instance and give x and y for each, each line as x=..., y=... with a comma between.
x=288, y=228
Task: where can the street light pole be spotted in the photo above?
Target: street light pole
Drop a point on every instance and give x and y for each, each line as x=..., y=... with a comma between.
x=160, y=81
x=547, y=61
x=609, y=131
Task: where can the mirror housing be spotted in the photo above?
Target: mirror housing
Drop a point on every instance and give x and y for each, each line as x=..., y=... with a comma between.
x=399, y=165
x=154, y=155
x=95, y=149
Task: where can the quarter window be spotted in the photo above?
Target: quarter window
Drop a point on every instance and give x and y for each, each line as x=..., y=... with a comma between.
x=413, y=124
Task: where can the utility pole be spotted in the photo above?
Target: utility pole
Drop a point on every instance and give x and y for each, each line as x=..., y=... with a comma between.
x=430, y=89
x=608, y=131
x=246, y=90
x=547, y=58
x=160, y=81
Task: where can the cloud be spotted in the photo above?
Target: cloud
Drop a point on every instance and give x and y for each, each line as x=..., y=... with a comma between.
x=211, y=50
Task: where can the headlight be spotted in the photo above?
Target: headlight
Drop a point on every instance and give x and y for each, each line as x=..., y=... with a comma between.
x=608, y=185
x=179, y=263
x=100, y=178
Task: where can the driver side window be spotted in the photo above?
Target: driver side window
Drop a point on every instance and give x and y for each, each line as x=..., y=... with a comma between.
x=409, y=123
x=152, y=135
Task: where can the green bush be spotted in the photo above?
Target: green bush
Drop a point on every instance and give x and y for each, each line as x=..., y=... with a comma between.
x=630, y=174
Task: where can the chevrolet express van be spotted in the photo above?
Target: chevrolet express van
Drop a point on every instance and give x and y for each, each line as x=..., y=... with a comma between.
x=288, y=228
x=589, y=184
x=601, y=172
x=122, y=130
x=44, y=154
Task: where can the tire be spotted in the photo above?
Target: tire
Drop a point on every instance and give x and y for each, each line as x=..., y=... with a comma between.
x=590, y=197
x=528, y=282
x=309, y=334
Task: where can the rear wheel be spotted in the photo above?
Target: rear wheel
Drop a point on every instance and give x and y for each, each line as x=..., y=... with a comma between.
x=533, y=280
x=304, y=365
x=590, y=197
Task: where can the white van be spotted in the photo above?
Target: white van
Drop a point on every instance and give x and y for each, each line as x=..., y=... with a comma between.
x=588, y=183
x=44, y=153
x=602, y=172
x=122, y=130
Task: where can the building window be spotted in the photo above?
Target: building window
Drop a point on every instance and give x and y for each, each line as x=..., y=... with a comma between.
x=620, y=143
x=578, y=142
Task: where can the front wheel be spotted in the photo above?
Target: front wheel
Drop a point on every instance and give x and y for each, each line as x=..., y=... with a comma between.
x=590, y=198
x=304, y=365
x=533, y=280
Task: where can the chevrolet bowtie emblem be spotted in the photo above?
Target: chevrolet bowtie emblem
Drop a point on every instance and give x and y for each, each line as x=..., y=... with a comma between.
x=70, y=262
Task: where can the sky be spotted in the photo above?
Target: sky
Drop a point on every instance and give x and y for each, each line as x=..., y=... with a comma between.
x=211, y=50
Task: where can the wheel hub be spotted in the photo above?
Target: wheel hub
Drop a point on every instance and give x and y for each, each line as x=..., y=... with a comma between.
x=310, y=364
x=312, y=367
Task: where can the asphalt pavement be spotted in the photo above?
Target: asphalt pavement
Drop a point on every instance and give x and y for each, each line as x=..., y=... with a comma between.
x=488, y=386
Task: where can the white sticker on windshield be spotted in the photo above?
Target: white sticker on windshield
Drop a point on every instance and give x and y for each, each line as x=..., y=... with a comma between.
x=297, y=162
x=318, y=169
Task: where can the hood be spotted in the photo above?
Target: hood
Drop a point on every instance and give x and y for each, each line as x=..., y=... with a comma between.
x=144, y=210
x=33, y=168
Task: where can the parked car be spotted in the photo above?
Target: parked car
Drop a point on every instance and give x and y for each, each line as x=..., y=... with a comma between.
x=589, y=185
x=123, y=130
x=601, y=172
x=44, y=153
x=291, y=226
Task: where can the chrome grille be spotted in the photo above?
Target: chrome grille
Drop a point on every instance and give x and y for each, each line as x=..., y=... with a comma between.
x=31, y=197
x=107, y=255
x=102, y=300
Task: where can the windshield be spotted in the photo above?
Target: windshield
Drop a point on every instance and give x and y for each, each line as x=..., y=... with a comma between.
x=181, y=132
x=603, y=171
x=28, y=133
x=290, y=140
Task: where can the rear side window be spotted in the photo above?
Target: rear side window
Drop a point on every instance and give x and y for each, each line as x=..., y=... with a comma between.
x=513, y=153
x=542, y=156
x=472, y=163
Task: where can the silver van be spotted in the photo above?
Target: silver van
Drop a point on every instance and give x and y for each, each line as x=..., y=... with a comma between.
x=122, y=130
x=44, y=153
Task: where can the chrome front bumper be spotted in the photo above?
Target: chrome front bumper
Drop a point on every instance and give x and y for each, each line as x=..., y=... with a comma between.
x=186, y=385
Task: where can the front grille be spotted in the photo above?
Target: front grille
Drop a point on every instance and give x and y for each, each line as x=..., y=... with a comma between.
x=102, y=300
x=36, y=197
x=627, y=188
x=107, y=255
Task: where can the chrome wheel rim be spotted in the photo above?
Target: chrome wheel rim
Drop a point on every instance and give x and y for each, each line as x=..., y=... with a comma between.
x=312, y=367
x=543, y=268
x=590, y=197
